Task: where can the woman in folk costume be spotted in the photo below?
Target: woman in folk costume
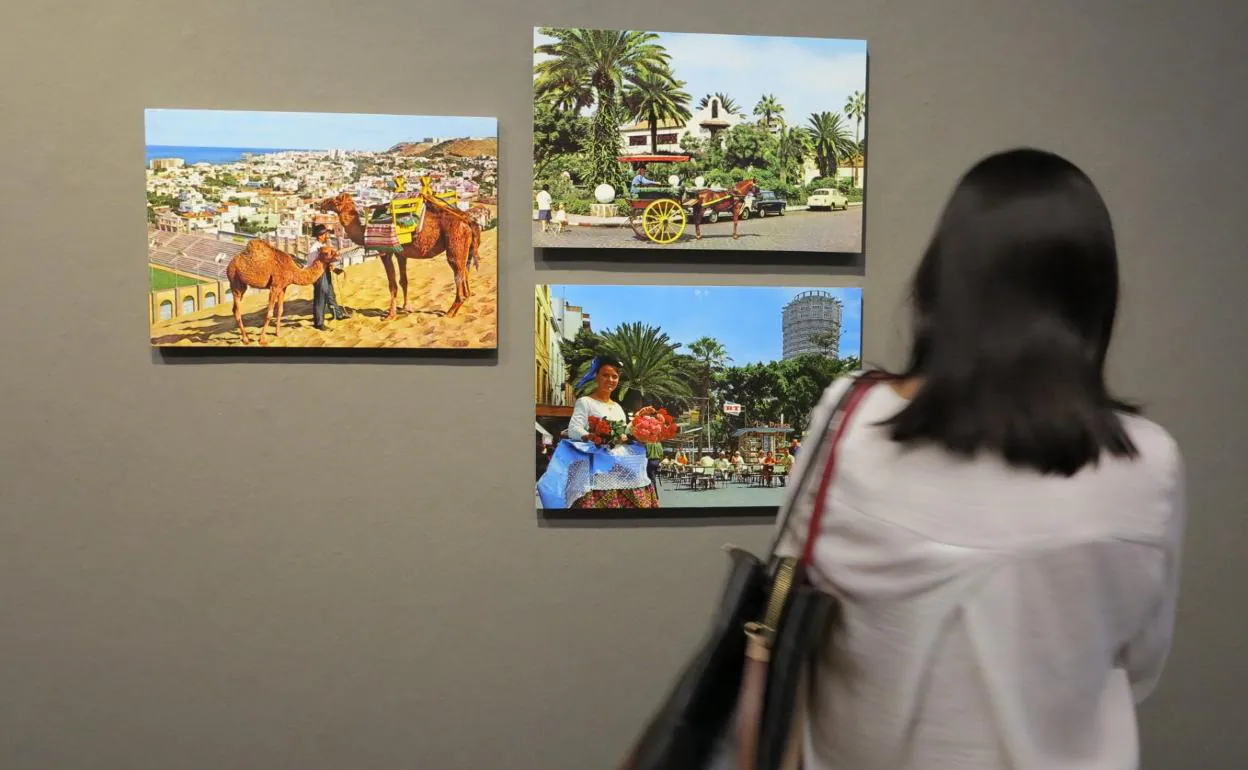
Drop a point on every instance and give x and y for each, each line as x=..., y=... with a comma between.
x=587, y=472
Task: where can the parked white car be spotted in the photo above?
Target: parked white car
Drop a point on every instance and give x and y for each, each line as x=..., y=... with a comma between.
x=827, y=199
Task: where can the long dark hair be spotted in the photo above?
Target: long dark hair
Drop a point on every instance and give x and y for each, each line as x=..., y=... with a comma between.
x=1014, y=305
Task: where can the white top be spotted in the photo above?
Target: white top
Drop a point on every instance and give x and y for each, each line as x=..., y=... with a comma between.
x=543, y=200
x=994, y=618
x=586, y=407
x=313, y=251
x=561, y=215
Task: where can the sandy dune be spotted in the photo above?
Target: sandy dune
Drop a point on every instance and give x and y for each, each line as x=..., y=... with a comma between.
x=363, y=290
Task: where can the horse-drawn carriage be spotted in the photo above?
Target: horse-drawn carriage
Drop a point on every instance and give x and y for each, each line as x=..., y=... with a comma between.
x=661, y=212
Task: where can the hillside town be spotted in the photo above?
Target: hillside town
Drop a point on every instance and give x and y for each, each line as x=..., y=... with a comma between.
x=205, y=204
x=276, y=193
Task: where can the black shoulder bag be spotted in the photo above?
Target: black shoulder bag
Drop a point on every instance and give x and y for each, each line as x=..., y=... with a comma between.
x=769, y=621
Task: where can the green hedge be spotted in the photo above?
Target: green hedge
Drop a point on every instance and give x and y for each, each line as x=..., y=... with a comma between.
x=580, y=202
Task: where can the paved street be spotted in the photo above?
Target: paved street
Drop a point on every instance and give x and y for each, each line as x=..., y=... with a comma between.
x=830, y=231
x=731, y=495
x=724, y=496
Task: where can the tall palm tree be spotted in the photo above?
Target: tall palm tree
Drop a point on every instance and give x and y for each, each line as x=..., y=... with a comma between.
x=589, y=68
x=708, y=357
x=654, y=99
x=651, y=368
x=856, y=109
x=791, y=148
x=770, y=108
x=830, y=140
x=726, y=103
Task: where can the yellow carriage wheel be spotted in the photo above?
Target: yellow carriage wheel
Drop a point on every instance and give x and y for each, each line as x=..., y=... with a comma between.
x=663, y=221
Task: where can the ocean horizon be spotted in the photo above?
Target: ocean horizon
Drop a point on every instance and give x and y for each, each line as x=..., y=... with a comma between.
x=215, y=155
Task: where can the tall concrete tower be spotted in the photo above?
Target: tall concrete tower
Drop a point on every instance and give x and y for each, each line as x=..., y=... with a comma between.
x=816, y=314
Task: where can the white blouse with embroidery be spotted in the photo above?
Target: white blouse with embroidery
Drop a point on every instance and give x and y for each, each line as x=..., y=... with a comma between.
x=586, y=407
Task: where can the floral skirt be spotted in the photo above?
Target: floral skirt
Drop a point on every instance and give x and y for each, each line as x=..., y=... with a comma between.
x=641, y=497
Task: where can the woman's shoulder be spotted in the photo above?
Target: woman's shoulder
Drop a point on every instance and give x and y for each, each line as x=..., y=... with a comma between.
x=834, y=392
x=1157, y=450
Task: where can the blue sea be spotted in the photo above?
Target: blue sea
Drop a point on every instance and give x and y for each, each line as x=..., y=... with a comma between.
x=206, y=154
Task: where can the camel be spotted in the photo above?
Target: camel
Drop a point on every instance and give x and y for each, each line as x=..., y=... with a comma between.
x=444, y=229
x=706, y=198
x=261, y=266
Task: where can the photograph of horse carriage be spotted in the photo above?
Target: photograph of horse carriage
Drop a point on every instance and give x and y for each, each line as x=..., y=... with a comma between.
x=692, y=141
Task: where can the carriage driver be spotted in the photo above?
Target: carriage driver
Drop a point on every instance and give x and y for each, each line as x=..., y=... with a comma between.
x=640, y=181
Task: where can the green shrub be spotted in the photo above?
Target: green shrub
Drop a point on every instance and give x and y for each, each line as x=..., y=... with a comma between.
x=553, y=168
x=583, y=205
x=560, y=188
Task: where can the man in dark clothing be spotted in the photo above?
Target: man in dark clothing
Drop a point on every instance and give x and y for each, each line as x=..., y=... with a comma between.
x=323, y=297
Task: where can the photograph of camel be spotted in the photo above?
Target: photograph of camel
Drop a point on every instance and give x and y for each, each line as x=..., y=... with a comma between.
x=681, y=397
x=696, y=141
x=321, y=230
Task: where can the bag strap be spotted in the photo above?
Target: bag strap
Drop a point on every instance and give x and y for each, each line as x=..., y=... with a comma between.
x=859, y=383
x=760, y=635
x=850, y=404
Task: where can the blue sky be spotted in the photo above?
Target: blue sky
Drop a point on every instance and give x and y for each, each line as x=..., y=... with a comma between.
x=303, y=130
x=819, y=74
x=745, y=318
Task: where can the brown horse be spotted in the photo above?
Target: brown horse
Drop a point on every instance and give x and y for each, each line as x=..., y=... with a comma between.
x=444, y=230
x=704, y=199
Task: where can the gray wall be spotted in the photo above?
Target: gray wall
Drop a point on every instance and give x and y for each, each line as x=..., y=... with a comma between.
x=309, y=579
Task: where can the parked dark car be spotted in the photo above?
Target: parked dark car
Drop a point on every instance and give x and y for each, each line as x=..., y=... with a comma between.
x=767, y=202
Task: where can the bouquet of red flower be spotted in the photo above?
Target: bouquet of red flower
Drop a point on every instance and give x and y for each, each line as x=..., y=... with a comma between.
x=608, y=433
x=652, y=425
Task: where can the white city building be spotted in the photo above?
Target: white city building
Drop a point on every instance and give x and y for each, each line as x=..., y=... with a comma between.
x=705, y=123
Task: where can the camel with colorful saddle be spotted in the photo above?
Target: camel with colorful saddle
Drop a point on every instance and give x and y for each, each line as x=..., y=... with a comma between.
x=419, y=226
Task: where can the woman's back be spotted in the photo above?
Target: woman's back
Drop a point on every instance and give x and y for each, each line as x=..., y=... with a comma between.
x=994, y=617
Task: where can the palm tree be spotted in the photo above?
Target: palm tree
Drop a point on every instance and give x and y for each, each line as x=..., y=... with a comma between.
x=856, y=109
x=791, y=148
x=707, y=358
x=726, y=103
x=589, y=68
x=770, y=108
x=651, y=368
x=655, y=99
x=830, y=141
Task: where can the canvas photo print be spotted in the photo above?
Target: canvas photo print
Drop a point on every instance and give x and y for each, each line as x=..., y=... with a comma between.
x=321, y=230
x=681, y=397
x=695, y=141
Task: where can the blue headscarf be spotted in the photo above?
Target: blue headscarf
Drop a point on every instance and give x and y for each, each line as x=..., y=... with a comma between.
x=589, y=377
